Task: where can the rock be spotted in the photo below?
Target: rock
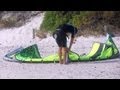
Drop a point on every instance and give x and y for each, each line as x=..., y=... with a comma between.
x=16, y=18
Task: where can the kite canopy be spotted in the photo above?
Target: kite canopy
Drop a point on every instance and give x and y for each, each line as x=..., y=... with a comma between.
x=99, y=51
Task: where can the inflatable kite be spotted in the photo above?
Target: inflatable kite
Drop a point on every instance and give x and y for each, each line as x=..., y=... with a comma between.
x=99, y=51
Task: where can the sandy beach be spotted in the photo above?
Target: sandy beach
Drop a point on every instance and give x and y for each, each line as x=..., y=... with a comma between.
x=16, y=37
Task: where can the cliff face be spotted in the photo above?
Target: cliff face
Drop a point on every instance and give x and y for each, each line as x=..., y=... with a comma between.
x=10, y=19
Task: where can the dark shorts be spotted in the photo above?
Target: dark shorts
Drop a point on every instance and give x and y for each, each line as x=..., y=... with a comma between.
x=61, y=39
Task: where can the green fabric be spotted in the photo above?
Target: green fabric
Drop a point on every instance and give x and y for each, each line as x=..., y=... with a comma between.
x=55, y=58
x=51, y=58
x=108, y=50
x=73, y=57
x=115, y=49
x=28, y=54
x=95, y=51
x=106, y=53
x=28, y=59
x=99, y=51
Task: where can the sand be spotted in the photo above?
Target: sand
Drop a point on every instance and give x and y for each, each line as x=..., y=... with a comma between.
x=16, y=37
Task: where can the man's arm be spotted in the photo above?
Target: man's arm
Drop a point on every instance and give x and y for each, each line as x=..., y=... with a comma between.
x=71, y=42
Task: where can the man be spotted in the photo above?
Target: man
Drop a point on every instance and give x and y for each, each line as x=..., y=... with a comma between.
x=60, y=36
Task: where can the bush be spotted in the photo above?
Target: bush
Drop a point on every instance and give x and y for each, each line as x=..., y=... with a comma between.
x=53, y=19
x=88, y=22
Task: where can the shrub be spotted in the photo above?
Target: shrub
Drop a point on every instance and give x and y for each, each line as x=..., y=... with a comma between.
x=88, y=22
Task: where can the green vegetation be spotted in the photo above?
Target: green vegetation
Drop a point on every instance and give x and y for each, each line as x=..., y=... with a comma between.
x=88, y=22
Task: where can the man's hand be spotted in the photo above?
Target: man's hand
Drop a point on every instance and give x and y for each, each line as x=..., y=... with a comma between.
x=71, y=42
x=68, y=50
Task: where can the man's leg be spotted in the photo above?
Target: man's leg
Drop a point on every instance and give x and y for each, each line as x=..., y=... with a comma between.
x=60, y=54
x=64, y=53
